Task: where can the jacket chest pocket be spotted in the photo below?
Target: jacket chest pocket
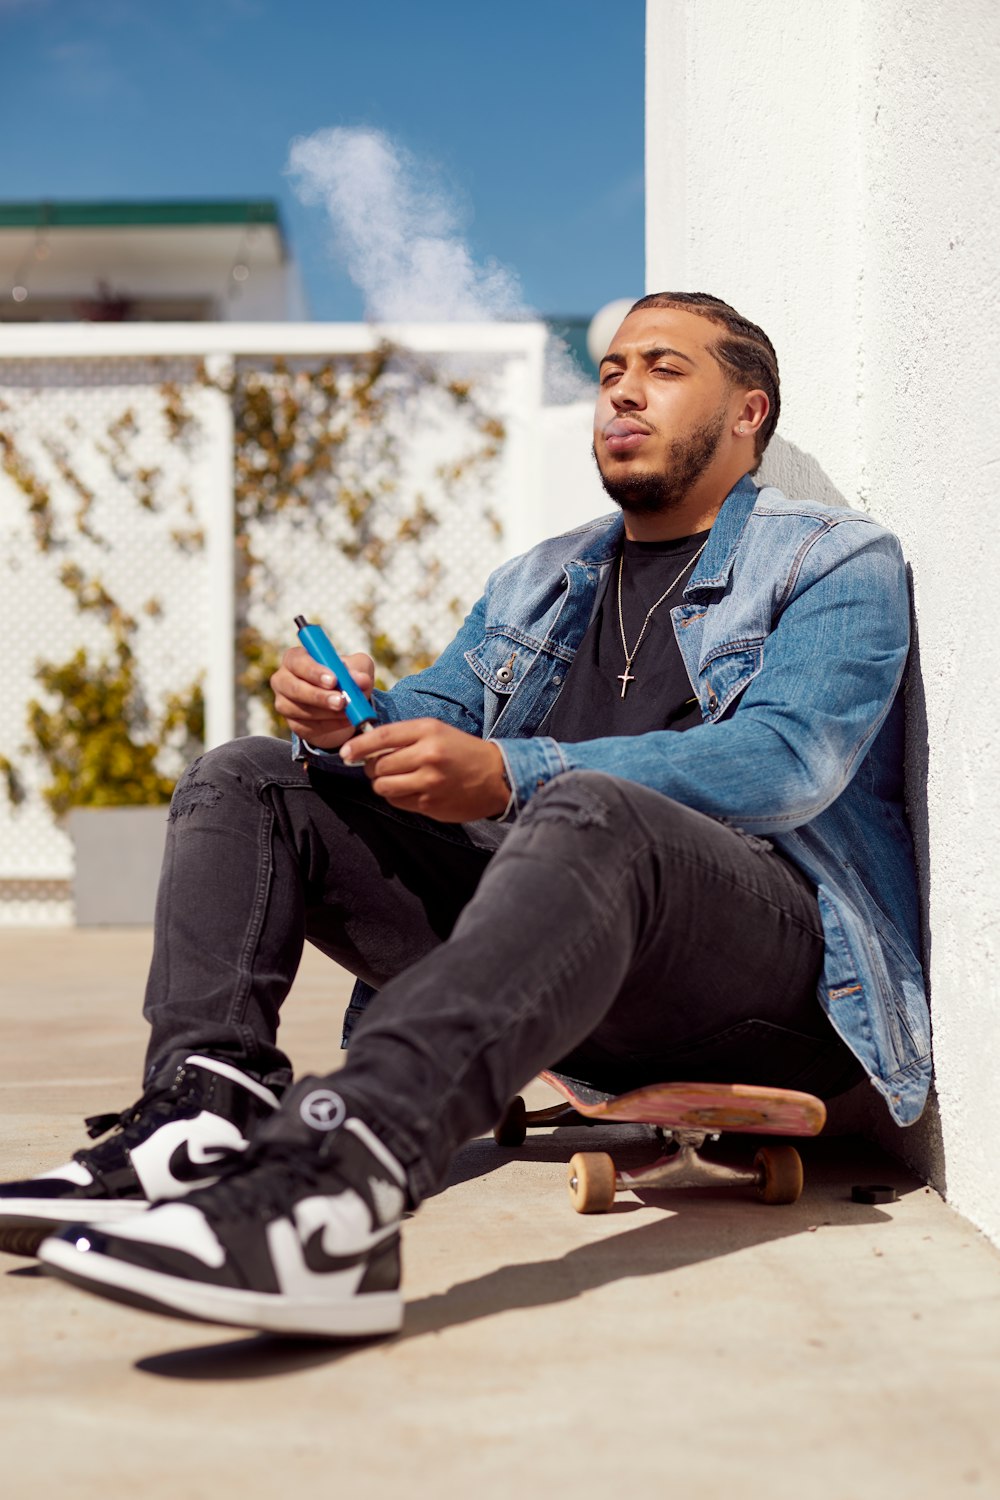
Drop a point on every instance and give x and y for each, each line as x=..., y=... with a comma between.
x=499, y=663
x=725, y=674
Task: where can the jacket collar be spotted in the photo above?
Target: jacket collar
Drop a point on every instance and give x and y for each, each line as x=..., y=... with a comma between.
x=603, y=542
x=716, y=562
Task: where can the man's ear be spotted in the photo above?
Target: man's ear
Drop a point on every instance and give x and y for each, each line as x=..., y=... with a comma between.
x=751, y=414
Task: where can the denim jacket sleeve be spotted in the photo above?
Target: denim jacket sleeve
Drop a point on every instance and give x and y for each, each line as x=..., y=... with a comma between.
x=778, y=755
x=446, y=689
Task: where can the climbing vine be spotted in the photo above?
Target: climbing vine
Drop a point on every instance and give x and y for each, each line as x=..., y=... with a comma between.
x=101, y=742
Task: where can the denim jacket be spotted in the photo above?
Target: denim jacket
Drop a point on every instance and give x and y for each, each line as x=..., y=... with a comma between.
x=795, y=631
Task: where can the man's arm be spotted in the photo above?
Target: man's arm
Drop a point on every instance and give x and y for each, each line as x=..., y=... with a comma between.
x=831, y=669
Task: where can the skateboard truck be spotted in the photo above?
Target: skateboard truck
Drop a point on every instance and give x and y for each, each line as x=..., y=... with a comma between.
x=685, y=1117
x=775, y=1176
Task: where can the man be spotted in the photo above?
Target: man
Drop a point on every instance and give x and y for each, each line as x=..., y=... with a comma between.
x=642, y=819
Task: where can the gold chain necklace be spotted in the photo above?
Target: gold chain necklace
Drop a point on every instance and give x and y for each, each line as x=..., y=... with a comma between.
x=625, y=677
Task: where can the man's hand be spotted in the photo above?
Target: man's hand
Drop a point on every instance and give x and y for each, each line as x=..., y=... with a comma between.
x=306, y=696
x=424, y=766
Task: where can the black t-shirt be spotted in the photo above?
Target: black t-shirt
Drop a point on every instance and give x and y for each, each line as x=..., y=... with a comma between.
x=590, y=704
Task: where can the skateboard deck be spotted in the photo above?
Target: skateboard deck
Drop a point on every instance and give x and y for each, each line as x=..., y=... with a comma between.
x=713, y=1107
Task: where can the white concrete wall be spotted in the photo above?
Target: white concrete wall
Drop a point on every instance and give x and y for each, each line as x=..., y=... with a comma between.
x=570, y=490
x=831, y=170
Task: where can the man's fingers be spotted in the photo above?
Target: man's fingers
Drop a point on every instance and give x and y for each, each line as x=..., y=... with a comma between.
x=403, y=732
x=391, y=760
x=294, y=689
x=399, y=789
x=299, y=664
x=372, y=742
x=293, y=698
x=307, y=684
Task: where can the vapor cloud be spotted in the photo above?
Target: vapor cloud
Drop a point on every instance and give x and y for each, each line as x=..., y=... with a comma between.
x=398, y=233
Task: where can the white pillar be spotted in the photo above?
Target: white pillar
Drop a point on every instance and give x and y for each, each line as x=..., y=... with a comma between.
x=831, y=171
x=220, y=646
x=524, y=517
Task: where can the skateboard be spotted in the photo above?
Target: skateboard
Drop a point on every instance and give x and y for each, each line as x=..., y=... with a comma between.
x=684, y=1115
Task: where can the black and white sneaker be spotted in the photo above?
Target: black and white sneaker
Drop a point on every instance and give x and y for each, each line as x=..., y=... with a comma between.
x=300, y=1236
x=173, y=1140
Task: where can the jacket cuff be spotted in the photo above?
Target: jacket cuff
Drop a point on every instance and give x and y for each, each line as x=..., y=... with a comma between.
x=507, y=816
x=302, y=751
x=530, y=765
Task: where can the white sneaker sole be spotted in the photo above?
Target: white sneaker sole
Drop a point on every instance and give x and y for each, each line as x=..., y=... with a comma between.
x=369, y=1313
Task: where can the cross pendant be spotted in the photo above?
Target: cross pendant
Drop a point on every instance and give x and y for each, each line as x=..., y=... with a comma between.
x=625, y=678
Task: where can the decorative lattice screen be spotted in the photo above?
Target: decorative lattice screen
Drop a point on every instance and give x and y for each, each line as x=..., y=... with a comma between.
x=109, y=493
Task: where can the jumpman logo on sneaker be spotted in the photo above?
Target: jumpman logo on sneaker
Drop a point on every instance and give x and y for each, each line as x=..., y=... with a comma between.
x=323, y=1109
x=187, y=1168
x=319, y=1260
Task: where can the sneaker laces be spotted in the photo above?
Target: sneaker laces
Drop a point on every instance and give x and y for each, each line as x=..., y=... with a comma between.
x=158, y=1104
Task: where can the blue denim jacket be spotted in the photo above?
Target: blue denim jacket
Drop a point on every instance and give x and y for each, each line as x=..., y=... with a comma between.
x=795, y=631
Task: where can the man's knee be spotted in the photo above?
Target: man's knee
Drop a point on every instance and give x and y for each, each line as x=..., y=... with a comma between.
x=247, y=762
x=583, y=799
x=594, y=799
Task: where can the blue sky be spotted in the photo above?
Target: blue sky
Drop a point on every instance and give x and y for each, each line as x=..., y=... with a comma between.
x=532, y=110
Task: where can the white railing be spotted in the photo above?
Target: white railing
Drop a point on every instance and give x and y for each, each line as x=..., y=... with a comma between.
x=64, y=388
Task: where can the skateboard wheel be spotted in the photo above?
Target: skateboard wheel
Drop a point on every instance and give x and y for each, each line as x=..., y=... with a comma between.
x=779, y=1174
x=512, y=1128
x=591, y=1182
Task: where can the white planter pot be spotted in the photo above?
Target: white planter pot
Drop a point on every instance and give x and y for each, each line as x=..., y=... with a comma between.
x=117, y=853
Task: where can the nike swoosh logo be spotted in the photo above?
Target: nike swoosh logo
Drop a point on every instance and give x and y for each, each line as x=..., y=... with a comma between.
x=181, y=1167
x=317, y=1259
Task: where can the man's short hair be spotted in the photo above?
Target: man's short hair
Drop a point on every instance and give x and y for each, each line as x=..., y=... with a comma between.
x=745, y=352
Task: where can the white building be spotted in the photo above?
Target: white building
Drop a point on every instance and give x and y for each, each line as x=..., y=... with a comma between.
x=154, y=262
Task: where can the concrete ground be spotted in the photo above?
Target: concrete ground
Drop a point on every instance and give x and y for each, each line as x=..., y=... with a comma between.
x=694, y=1343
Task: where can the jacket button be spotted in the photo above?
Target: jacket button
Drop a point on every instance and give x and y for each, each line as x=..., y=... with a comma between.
x=556, y=680
x=713, y=703
x=504, y=674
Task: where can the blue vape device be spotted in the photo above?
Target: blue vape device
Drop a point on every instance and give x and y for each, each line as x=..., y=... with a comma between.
x=320, y=648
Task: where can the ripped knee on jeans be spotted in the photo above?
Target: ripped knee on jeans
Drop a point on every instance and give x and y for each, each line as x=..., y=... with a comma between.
x=570, y=798
x=191, y=792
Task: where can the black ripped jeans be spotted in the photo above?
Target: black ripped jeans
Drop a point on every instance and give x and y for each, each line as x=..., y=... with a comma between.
x=611, y=931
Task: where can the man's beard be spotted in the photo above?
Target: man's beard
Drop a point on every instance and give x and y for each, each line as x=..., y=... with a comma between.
x=687, y=458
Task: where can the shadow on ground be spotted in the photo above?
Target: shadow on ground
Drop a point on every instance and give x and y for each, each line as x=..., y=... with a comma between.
x=698, y=1225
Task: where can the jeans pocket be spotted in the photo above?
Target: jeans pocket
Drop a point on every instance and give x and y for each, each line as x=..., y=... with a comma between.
x=361, y=996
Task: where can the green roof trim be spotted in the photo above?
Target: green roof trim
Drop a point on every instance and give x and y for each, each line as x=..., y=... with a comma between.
x=123, y=214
